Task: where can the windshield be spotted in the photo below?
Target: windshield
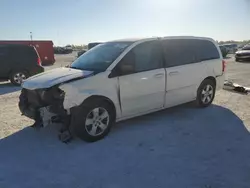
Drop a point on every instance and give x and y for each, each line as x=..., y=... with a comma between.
x=100, y=57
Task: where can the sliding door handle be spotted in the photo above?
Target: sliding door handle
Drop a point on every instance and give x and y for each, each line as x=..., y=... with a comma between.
x=159, y=75
x=173, y=73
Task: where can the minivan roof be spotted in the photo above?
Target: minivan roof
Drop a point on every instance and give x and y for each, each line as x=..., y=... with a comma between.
x=166, y=37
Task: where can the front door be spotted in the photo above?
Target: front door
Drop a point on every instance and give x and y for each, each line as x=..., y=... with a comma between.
x=142, y=79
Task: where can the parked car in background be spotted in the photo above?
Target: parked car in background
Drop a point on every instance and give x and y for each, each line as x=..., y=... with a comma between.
x=232, y=48
x=44, y=49
x=224, y=50
x=90, y=46
x=63, y=50
x=240, y=46
x=18, y=62
x=122, y=79
x=93, y=44
x=81, y=52
x=68, y=47
x=243, y=54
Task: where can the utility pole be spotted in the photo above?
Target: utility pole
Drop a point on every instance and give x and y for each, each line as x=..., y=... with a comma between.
x=31, y=37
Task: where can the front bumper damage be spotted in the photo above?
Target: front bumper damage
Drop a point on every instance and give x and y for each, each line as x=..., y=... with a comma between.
x=45, y=106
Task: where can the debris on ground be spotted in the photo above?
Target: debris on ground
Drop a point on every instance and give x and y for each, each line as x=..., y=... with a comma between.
x=228, y=85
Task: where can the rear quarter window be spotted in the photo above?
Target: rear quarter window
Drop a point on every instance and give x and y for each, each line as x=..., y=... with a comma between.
x=28, y=53
x=206, y=50
x=187, y=51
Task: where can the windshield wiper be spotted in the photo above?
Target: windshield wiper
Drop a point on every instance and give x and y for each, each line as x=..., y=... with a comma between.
x=78, y=68
x=75, y=68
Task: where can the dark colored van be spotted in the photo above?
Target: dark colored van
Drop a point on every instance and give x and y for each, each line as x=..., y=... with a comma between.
x=43, y=47
x=18, y=62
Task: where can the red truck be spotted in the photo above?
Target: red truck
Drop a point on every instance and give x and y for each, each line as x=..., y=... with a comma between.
x=44, y=48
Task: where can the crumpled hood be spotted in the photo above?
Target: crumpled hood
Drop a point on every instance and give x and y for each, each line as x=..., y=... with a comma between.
x=54, y=77
x=243, y=52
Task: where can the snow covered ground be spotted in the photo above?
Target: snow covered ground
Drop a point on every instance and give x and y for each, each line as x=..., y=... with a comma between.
x=178, y=147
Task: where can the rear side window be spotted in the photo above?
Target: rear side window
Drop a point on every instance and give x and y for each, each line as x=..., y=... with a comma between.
x=186, y=51
x=29, y=52
x=25, y=53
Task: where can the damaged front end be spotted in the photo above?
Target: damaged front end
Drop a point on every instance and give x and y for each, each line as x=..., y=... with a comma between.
x=45, y=106
x=42, y=99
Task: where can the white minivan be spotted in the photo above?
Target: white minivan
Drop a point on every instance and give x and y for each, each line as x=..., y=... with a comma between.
x=122, y=79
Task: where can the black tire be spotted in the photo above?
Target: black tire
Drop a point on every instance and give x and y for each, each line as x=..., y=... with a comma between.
x=207, y=83
x=24, y=106
x=80, y=115
x=16, y=76
x=236, y=59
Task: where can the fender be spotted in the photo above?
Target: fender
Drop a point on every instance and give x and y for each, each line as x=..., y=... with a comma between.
x=78, y=91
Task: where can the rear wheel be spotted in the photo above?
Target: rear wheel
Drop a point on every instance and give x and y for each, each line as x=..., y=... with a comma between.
x=236, y=59
x=205, y=93
x=93, y=120
x=18, y=77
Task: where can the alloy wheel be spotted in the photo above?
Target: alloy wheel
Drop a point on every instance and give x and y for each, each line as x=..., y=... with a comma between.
x=207, y=94
x=19, y=77
x=97, y=121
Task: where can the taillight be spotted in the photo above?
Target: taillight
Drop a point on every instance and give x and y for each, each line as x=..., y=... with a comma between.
x=223, y=65
x=39, y=61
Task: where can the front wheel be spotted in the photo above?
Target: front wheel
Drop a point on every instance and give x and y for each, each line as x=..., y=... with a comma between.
x=205, y=93
x=93, y=120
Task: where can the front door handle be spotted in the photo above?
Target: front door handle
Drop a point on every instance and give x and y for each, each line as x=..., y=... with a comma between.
x=173, y=73
x=159, y=75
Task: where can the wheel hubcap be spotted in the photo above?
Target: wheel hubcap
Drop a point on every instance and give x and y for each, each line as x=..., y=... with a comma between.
x=207, y=94
x=97, y=121
x=19, y=77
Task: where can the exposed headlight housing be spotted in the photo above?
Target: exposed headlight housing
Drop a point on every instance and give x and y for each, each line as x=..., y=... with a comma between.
x=48, y=96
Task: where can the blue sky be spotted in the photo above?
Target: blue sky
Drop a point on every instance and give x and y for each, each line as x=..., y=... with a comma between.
x=83, y=21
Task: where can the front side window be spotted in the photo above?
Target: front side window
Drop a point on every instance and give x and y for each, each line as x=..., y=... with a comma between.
x=26, y=52
x=100, y=57
x=143, y=57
